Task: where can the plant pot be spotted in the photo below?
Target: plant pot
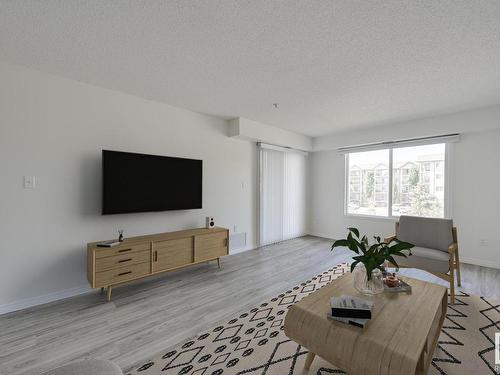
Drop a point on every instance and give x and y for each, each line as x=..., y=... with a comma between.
x=369, y=287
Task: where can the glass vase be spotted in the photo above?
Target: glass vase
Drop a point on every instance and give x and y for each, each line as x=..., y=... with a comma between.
x=369, y=287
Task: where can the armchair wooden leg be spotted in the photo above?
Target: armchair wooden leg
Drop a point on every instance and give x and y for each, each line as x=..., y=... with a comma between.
x=457, y=265
x=452, y=283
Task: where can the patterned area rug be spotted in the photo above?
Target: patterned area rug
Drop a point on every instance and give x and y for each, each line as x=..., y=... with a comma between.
x=254, y=341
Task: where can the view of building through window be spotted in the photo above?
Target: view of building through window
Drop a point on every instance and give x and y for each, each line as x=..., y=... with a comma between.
x=369, y=183
x=418, y=181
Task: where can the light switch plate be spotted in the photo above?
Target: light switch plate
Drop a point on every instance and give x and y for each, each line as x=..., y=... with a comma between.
x=29, y=182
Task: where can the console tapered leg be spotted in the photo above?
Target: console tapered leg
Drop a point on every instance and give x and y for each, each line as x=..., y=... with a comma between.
x=108, y=295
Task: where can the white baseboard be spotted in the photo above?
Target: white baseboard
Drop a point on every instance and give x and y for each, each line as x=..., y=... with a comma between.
x=241, y=250
x=480, y=262
x=41, y=300
x=328, y=236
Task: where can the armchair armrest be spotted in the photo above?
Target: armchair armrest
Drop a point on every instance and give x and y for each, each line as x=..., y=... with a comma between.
x=452, y=248
x=390, y=238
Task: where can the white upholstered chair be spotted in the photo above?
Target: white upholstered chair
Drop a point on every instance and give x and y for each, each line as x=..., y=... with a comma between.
x=436, y=247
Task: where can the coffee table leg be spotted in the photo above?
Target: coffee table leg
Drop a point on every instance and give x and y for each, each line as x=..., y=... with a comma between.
x=309, y=360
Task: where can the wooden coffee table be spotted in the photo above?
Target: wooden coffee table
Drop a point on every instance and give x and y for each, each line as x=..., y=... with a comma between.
x=400, y=338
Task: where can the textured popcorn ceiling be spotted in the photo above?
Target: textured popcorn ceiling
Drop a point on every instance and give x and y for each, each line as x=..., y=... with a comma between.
x=331, y=65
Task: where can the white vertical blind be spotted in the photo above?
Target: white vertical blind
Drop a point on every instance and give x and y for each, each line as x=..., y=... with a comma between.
x=271, y=196
x=294, y=208
x=282, y=195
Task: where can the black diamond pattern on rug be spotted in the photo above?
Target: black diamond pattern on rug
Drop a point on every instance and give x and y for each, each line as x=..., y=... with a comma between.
x=492, y=314
x=275, y=358
x=261, y=333
x=183, y=358
x=325, y=279
x=277, y=323
x=200, y=371
x=242, y=345
x=261, y=314
x=228, y=332
x=287, y=300
x=221, y=359
x=308, y=288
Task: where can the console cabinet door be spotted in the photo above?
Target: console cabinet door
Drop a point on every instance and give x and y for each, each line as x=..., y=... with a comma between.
x=210, y=246
x=172, y=253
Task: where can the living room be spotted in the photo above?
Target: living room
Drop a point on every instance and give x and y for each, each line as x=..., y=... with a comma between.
x=179, y=179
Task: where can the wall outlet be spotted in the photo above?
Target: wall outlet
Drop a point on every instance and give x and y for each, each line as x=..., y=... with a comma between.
x=235, y=228
x=29, y=182
x=483, y=242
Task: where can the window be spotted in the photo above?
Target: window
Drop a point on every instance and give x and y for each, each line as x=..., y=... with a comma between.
x=417, y=175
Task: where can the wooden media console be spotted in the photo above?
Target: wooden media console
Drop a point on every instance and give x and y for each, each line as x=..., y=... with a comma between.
x=143, y=256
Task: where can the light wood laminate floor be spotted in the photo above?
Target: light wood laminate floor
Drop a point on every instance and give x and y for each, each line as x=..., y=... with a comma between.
x=150, y=316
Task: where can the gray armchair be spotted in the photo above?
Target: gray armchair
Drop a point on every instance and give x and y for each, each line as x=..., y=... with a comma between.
x=436, y=247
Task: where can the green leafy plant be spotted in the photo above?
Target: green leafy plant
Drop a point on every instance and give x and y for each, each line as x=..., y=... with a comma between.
x=372, y=256
x=424, y=203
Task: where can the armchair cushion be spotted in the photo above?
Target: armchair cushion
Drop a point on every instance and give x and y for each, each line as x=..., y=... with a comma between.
x=426, y=259
x=426, y=232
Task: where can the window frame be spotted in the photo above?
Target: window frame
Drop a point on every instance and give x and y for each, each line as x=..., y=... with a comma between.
x=447, y=169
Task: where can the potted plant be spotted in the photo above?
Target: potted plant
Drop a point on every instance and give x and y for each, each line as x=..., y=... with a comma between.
x=369, y=262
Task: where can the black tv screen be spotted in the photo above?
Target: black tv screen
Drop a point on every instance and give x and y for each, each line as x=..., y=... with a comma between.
x=140, y=183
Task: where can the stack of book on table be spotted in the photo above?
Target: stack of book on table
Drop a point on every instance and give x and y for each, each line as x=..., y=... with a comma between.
x=351, y=310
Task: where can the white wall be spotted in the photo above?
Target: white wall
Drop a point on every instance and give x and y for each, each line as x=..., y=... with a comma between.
x=55, y=128
x=460, y=122
x=475, y=181
x=243, y=128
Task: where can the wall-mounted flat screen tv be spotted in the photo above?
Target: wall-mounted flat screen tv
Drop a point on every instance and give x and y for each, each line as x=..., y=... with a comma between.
x=141, y=183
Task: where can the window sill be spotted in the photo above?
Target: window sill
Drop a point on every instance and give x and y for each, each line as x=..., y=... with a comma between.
x=392, y=219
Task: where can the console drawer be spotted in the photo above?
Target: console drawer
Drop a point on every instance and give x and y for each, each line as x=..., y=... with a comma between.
x=123, y=260
x=102, y=252
x=116, y=276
